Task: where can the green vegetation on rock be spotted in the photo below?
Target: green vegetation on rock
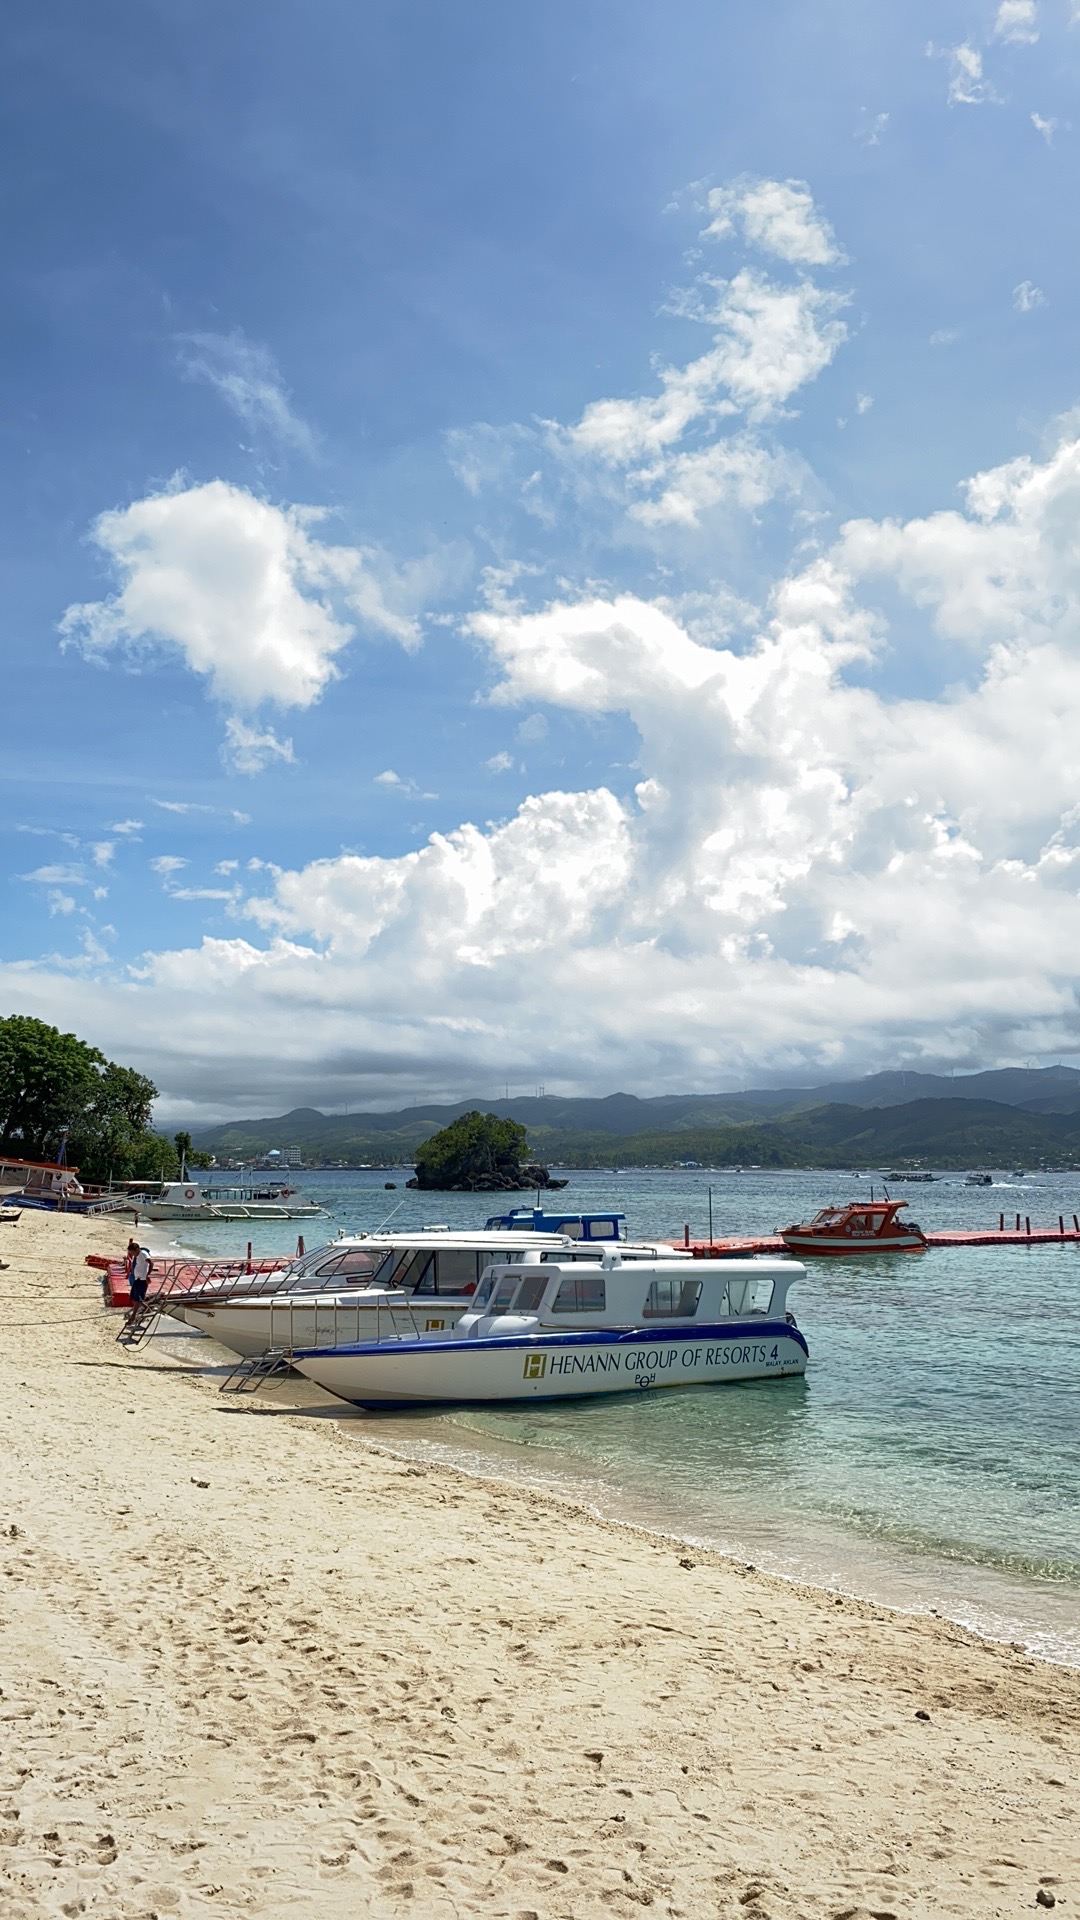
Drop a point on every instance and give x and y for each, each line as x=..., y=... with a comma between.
x=478, y=1153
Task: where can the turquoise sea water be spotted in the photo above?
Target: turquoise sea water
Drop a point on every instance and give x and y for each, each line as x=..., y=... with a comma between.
x=930, y=1457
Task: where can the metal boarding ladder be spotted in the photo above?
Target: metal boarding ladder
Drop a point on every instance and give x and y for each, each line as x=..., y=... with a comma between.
x=251, y=1373
x=138, y=1321
x=174, y=1283
x=275, y=1362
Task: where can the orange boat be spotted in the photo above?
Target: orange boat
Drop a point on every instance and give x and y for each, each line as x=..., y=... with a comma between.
x=863, y=1226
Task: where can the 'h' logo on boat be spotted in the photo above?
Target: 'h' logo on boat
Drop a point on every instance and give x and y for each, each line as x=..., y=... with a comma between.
x=535, y=1366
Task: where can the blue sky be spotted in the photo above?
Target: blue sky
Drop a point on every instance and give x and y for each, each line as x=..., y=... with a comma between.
x=553, y=430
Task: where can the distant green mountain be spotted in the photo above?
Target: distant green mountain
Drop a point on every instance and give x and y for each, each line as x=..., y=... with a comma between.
x=937, y=1129
x=925, y=1133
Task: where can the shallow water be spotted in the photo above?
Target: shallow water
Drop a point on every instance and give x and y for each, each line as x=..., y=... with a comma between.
x=931, y=1455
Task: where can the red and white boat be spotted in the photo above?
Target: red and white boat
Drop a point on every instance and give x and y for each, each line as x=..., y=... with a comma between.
x=863, y=1226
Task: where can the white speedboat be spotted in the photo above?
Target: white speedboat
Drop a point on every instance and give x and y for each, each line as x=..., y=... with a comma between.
x=354, y=1288
x=552, y=1329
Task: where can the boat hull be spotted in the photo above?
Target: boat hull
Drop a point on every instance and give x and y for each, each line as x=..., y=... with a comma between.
x=554, y=1366
x=813, y=1244
x=267, y=1210
x=251, y=1330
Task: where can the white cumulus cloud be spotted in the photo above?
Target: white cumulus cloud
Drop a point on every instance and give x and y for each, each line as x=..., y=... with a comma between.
x=968, y=85
x=803, y=875
x=769, y=340
x=1017, y=20
x=246, y=594
x=777, y=217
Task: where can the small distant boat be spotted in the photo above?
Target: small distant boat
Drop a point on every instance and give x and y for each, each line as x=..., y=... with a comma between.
x=895, y=1174
x=564, y=1328
x=190, y=1200
x=863, y=1226
x=577, y=1226
x=978, y=1179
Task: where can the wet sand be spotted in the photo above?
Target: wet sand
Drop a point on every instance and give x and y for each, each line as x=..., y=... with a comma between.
x=250, y=1665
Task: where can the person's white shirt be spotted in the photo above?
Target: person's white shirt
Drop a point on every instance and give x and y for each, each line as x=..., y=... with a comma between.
x=141, y=1270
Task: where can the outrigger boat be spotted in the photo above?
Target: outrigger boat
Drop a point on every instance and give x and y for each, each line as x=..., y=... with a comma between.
x=557, y=1328
x=863, y=1226
x=190, y=1200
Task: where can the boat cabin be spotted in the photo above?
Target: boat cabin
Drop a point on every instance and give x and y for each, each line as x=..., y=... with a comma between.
x=38, y=1179
x=555, y=1293
x=436, y=1261
x=860, y=1226
x=576, y=1226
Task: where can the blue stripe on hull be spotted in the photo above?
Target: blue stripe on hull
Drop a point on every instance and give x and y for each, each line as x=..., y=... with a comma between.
x=726, y=1330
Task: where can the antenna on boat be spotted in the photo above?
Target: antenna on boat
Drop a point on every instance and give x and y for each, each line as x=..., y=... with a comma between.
x=383, y=1224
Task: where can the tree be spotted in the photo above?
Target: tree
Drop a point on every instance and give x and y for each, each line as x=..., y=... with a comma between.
x=56, y=1089
x=48, y=1082
x=104, y=1140
x=475, y=1153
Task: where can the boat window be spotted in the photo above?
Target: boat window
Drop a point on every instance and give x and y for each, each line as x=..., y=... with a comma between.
x=581, y=1292
x=455, y=1269
x=752, y=1295
x=601, y=1229
x=483, y=1292
x=504, y=1293
x=530, y=1293
x=358, y=1263
x=672, y=1299
x=416, y=1273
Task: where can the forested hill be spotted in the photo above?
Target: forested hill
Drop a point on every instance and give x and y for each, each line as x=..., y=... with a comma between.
x=332, y=1135
x=935, y=1129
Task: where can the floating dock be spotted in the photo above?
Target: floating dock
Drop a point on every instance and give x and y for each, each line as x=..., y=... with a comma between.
x=1023, y=1234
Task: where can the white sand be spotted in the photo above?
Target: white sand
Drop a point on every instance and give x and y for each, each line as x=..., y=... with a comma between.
x=250, y=1664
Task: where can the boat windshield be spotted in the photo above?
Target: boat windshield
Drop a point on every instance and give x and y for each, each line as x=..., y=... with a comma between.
x=750, y=1295
x=356, y=1263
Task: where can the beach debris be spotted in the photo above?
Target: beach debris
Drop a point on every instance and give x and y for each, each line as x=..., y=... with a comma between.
x=688, y=1564
x=199, y=1483
x=921, y=1713
x=1044, y=1898
x=594, y=1753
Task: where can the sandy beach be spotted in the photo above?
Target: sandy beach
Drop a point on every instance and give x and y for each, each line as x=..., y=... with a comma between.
x=251, y=1662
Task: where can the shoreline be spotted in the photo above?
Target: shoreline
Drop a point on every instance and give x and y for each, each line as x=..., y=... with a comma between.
x=248, y=1668
x=968, y=1594
x=876, y=1572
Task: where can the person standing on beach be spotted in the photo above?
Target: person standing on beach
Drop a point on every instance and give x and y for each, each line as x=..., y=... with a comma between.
x=139, y=1275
